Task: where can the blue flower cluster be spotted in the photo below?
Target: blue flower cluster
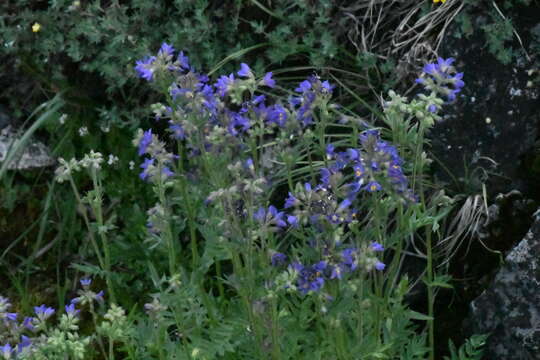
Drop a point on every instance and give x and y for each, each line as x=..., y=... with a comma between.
x=442, y=78
x=11, y=327
x=376, y=166
x=311, y=278
x=223, y=113
x=231, y=112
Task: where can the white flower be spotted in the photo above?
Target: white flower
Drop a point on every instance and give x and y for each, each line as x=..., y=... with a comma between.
x=83, y=131
x=62, y=119
x=92, y=160
x=112, y=159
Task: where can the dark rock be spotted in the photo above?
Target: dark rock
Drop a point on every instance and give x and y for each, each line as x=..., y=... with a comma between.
x=510, y=309
x=495, y=121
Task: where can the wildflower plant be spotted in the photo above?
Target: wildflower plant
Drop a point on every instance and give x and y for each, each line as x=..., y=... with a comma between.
x=274, y=216
x=56, y=333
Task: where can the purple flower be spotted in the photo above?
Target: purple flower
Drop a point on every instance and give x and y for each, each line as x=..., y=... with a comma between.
x=326, y=86
x=224, y=84
x=353, y=154
x=183, y=60
x=291, y=201
x=303, y=87
x=276, y=114
x=292, y=220
x=268, y=81
x=310, y=278
x=28, y=323
x=244, y=71
x=99, y=296
x=441, y=77
x=278, y=259
x=25, y=342
x=375, y=246
x=337, y=271
x=43, y=312
x=379, y=266
x=166, y=172
x=359, y=170
x=85, y=282
x=239, y=124
x=145, y=174
x=178, y=132
x=145, y=69
x=6, y=351
x=349, y=259
x=11, y=316
x=70, y=309
x=258, y=100
x=145, y=141
x=166, y=50
x=373, y=186
x=248, y=164
x=432, y=108
x=344, y=204
x=271, y=216
x=330, y=151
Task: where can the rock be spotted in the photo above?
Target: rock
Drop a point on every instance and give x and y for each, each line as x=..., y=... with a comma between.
x=510, y=308
x=34, y=155
x=495, y=121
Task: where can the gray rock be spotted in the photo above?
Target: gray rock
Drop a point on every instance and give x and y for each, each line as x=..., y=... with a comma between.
x=510, y=309
x=33, y=155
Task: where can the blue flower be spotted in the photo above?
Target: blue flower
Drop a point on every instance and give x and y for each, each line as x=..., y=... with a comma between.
x=6, y=351
x=379, y=266
x=25, y=342
x=310, y=278
x=28, y=323
x=70, y=309
x=327, y=87
x=303, y=87
x=292, y=220
x=375, y=246
x=268, y=81
x=144, y=68
x=11, y=316
x=86, y=282
x=224, y=84
x=350, y=260
x=373, y=186
x=145, y=141
x=166, y=50
x=184, y=62
x=271, y=216
x=276, y=114
x=178, y=132
x=291, y=201
x=345, y=204
x=145, y=174
x=278, y=259
x=441, y=78
x=43, y=312
x=330, y=151
x=166, y=172
x=239, y=124
x=244, y=71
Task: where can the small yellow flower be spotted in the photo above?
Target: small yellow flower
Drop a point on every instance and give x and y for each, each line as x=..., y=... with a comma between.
x=36, y=27
x=436, y=1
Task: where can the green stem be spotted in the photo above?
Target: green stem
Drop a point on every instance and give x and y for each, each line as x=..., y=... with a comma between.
x=98, y=212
